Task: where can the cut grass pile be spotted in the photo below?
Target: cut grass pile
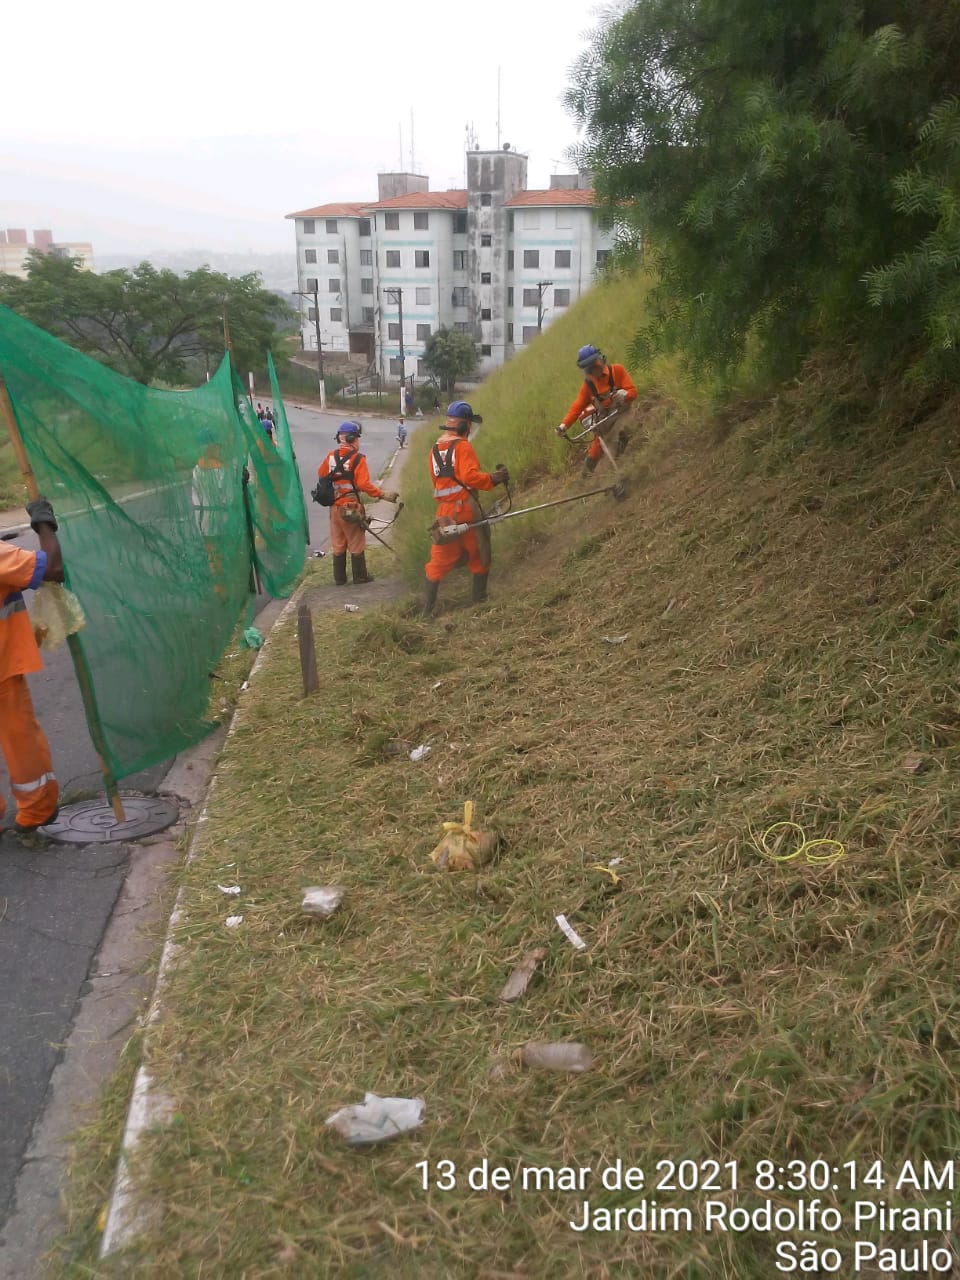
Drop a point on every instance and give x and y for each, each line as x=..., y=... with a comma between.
x=790, y=653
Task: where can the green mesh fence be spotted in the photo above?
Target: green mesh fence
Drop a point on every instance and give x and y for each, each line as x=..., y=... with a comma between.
x=156, y=529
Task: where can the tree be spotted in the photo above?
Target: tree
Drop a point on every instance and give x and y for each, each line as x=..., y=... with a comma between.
x=450, y=355
x=147, y=324
x=793, y=165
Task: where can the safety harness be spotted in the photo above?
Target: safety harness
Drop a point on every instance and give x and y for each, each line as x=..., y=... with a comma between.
x=596, y=395
x=443, y=470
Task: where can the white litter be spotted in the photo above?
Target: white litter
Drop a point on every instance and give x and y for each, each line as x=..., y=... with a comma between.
x=377, y=1119
x=231, y=890
x=420, y=753
x=351, y=608
x=233, y=921
x=571, y=933
x=615, y=639
x=245, y=685
x=437, y=685
x=321, y=900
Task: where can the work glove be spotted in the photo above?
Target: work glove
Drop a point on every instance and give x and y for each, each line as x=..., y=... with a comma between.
x=41, y=512
x=620, y=395
x=389, y=495
x=500, y=476
x=562, y=429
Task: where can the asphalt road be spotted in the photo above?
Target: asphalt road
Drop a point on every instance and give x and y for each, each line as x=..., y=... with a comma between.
x=55, y=901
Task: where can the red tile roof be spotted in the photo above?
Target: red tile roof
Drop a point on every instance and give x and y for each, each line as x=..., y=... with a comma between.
x=556, y=197
x=455, y=199
x=348, y=209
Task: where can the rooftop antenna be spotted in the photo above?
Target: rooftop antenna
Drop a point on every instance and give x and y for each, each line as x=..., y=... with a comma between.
x=413, y=163
x=400, y=129
x=498, y=108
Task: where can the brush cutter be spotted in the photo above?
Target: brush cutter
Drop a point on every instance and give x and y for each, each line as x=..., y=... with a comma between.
x=592, y=425
x=366, y=523
x=440, y=532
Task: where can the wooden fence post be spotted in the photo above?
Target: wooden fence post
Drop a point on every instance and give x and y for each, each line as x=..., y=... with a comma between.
x=308, y=652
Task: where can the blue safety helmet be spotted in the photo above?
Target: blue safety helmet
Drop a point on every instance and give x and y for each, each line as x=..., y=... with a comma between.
x=349, y=429
x=460, y=409
x=587, y=356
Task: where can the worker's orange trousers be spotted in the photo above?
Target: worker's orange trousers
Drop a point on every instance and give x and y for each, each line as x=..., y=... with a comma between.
x=445, y=556
x=27, y=753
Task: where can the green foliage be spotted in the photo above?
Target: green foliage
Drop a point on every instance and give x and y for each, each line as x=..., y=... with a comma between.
x=152, y=326
x=795, y=167
x=450, y=355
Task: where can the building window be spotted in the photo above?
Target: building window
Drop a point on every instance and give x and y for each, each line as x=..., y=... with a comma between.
x=366, y=315
x=423, y=332
x=602, y=256
x=311, y=284
x=531, y=297
x=510, y=295
x=396, y=365
x=485, y=348
x=509, y=259
x=459, y=259
x=561, y=257
x=333, y=256
x=461, y=326
x=485, y=313
x=393, y=257
x=486, y=199
x=391, y=222
x=421, y=257
x=564, y=218
x=336, y=315
x=333, y=285
x=421, y=221
x=309, y=227
x=485, y=277
x=331, y=224
x=423, y=297
x=459, y=224
x=366, y=284
x=460, y=296
x=509, y=332
x=393, y=331
x=310, y=255
x=530, y=331
x=531, y=257
x=364, y=226
x=561, y=297
x=510, y=220
x=422, y=369
x=530, y=220
x=366, y=257
x=312, y=313
x=486, y=242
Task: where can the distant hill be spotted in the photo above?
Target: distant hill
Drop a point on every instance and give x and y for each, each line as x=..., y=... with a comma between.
x=278, y=270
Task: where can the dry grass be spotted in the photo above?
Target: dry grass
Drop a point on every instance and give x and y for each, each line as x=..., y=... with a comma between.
x=791, y=614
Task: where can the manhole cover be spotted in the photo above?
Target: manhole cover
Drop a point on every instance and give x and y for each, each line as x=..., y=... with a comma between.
x=94, y=822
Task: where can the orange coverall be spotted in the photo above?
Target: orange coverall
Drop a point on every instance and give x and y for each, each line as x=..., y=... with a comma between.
x=599, y=396
x=22, y=741
x=347, y=535
x=453, y=500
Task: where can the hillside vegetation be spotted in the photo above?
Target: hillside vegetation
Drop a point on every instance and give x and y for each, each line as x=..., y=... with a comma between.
x=764, y=631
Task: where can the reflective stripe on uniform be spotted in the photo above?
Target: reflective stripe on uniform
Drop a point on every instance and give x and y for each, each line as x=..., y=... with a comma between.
x=448, y=493
x=12, y=604
x=34, y=786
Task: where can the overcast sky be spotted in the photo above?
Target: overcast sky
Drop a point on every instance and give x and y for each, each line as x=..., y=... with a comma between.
x=199, y=124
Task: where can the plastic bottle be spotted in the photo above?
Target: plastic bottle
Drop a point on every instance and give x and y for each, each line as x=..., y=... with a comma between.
x=557, y=1055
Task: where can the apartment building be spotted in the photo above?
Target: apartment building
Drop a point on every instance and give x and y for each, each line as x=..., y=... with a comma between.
x=15, y=247
x=495, y=260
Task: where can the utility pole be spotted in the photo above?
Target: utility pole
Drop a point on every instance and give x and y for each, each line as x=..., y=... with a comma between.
x=315, y=295
x=398, y=294
x=541, y=285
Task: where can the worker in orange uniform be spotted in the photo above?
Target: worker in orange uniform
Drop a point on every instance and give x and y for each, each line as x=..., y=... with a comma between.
x=348, y=469
x=605, y=386
x=456, y=475
x=22, y=741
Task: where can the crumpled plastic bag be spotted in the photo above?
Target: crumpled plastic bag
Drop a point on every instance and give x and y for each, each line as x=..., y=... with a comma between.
x=377, y=1119
x=462, y=848
x=55, y=613
x=252, y=638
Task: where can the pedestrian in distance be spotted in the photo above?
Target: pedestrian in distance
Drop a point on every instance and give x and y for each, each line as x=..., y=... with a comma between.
x=606, y=387
x=402, y=434
x=456, y=474
x=347, y=468
x=269, y=425
x=23, y=743
x=260, y=410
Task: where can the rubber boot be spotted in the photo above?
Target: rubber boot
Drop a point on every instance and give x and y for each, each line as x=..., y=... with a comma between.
x=359, y=567
x=588, y=468
x=430, y=590
x=340, y=570
x=479, y=588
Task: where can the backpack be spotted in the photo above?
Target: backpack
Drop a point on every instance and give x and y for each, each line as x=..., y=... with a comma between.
x=325, y=492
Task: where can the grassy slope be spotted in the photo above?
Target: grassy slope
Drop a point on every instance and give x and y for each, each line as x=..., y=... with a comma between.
x=790, y=611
